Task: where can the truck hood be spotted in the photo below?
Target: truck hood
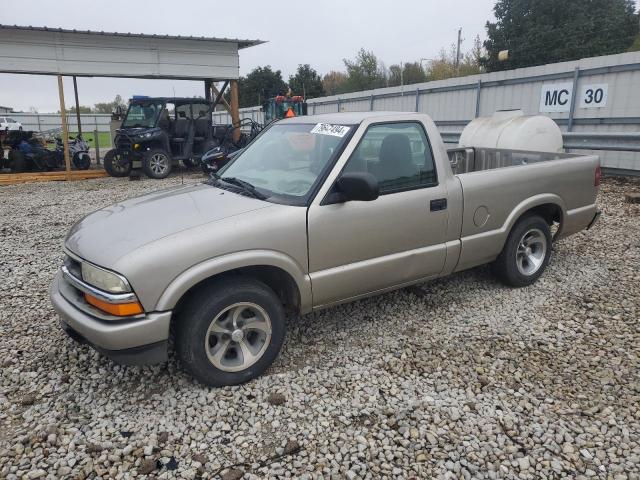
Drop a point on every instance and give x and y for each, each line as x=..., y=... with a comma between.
x=104, y=236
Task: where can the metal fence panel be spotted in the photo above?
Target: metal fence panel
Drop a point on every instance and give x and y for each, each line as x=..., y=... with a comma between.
x=40, y=122
x=454, y=102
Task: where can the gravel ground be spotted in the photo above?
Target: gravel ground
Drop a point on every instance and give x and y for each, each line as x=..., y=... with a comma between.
x=457, y=378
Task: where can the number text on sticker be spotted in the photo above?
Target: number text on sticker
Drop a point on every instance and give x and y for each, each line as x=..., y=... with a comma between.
x=329, y=129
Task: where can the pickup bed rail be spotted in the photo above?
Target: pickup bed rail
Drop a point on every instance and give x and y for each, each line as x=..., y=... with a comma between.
x=474, y=159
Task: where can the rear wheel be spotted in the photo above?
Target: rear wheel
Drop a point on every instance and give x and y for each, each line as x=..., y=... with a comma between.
x=116, y=165
x=230, y=332
x=156, y=163
x=526, y=253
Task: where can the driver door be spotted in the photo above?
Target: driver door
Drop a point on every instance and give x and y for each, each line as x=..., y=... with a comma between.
x=358, y=248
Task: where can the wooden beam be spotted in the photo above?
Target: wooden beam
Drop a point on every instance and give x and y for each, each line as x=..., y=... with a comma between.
x=219, y=93
x=65, y=130
x=13, y=178
x=235, y=110
x=75, y=92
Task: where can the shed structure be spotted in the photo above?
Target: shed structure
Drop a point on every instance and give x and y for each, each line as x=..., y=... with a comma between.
x=85, y=53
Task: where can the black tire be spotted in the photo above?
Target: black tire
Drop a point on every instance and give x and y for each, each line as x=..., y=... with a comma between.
x=204, y=308
x=115, y=165
x=81, y=160
x=157, y=163
x=526, y=252
x=17, y=161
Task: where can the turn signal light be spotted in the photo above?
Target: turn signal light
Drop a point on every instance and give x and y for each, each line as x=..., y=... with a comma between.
x=117, y=309
x=598, y=176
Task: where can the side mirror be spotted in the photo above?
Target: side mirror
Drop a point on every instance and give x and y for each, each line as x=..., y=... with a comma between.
x=359, y=186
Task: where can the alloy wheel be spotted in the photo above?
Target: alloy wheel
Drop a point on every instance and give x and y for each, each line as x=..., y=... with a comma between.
x=531, y=252
x=238, y=337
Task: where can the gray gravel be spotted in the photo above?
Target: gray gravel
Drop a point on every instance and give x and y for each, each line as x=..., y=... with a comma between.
x=457, y=378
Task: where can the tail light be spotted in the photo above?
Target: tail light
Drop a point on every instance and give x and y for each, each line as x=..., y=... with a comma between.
x=598, y=176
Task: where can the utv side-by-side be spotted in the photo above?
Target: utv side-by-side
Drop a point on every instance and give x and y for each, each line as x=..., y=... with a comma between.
x=157, y=133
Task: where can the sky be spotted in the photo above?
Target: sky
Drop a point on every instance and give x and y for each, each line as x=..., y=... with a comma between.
x=321, y=33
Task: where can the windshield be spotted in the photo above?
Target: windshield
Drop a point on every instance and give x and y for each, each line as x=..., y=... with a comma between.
x=285, y=162
x=142, y=115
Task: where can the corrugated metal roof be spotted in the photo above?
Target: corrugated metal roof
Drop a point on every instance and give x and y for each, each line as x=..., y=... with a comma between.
x=242, y=43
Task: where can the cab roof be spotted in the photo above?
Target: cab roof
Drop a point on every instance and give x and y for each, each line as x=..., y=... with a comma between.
x=347, y=118
x=175, y=100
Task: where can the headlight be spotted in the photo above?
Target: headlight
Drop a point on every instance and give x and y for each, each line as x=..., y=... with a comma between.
x=104, y=279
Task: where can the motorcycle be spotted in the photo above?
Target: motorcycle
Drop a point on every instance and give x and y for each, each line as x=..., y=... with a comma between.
x=216, y=158
x=227, y=149
x=78, y=151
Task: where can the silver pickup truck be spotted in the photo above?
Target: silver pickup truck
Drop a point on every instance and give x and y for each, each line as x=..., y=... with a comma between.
x=316, y=211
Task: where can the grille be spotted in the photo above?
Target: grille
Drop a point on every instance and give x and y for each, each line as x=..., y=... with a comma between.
x=123, y=143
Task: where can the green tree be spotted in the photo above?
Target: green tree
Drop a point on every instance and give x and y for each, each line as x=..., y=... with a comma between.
x=409, y=73
x=334, y=83
x=306, y=82
x=444, y=66
x=546, y=31
x=83, y=109
x=109, y=107
x=259, y=85
x=365, y=72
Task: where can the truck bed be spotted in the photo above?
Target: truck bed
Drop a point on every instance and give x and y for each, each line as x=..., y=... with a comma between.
x=474, y=159
x=494, y=195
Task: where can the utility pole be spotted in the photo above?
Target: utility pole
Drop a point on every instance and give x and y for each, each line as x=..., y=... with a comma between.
x=458, y=50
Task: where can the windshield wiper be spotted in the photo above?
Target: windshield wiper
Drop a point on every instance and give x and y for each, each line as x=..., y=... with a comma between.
x=246, y=186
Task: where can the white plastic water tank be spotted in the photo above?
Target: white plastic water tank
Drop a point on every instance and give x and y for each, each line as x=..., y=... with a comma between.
x=513, y=130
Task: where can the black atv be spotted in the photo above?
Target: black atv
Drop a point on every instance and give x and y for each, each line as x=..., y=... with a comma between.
x=27, y=153
x=157, y=133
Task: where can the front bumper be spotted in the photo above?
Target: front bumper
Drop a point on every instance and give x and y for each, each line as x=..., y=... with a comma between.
x=136, y=341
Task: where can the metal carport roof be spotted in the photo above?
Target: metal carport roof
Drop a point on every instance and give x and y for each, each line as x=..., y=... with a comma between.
x=57, y=51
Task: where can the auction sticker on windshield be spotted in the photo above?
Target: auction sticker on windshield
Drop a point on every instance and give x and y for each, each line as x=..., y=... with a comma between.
x=328, y=129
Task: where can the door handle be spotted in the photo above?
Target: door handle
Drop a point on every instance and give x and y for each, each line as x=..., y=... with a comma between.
x=438, y=204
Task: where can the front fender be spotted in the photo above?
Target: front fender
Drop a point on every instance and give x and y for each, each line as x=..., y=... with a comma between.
x=225, y=263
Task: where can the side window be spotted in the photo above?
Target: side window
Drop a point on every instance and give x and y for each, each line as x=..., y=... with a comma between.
x=184, y=111
x=397, y=154
x=200, y=110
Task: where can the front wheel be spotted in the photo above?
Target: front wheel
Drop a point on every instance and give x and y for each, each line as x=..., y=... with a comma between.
x=526, y=252
x=116, y=165
x=156, y=163
x=81, y=160
x=230, y=332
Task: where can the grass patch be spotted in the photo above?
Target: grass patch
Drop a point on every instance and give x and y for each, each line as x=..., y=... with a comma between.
x=104, y=139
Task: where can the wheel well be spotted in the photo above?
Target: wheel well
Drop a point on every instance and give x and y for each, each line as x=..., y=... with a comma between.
x=550, y=212
x=281, y=282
